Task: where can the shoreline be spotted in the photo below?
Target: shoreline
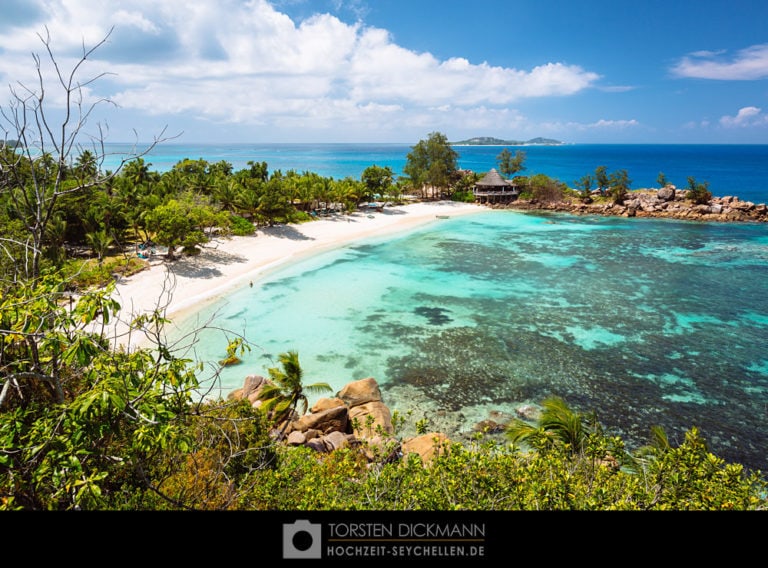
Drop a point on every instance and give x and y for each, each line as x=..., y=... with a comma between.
x=184, y=286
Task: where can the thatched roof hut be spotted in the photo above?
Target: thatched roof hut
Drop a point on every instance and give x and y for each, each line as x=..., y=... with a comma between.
x=493, y=188
x=492, y=180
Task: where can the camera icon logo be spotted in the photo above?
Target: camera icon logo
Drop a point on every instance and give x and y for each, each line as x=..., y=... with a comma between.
x=301, y=539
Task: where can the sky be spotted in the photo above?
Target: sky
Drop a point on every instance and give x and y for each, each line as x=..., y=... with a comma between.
x=259, y=71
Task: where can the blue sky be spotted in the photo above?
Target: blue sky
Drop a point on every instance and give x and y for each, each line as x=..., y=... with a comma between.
x=603, y=71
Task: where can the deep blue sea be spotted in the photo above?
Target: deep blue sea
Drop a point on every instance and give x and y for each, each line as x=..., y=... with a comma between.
x=644, y=321
x=728, y=169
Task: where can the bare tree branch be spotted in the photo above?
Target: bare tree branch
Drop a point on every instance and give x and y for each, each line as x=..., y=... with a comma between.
x=33, y=175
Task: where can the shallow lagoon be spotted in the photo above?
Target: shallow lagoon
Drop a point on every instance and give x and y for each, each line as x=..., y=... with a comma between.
x=645, y=321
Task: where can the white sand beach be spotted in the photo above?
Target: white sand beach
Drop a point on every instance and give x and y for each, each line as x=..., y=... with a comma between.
x=183, y=286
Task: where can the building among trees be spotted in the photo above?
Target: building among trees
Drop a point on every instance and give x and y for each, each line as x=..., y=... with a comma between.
x=493, y=188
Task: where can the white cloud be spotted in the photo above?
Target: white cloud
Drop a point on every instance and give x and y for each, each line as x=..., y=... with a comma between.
x=746, y=117
x=693, y=124
x=230, y=61
x=618, y=89
x=137, y=20
x=748, y=64
x=602, y=124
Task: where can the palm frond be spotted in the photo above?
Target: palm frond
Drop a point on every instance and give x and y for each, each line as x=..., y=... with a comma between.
x=659, y=439
x=318, y=388
x=556, y=424
x=520, y=431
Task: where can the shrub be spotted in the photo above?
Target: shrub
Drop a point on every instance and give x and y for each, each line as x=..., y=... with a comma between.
x=463, y=196
x=698, y=192
x=241, y=227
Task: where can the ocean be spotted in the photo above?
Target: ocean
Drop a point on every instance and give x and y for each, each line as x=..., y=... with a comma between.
x=643, y=321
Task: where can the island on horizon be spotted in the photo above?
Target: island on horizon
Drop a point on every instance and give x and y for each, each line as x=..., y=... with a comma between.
x=491, y=141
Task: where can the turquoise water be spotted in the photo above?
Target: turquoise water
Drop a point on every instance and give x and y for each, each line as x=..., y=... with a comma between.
x=729, y=169
x=644, y=321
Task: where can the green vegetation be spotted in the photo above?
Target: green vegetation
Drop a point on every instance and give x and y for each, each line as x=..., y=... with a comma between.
x=86, y=425
x=378, y=181
x=615, y=185
x=509, y=165
x=489, y=477
x=431, y=166
x=541, y=187
x=285, y=396
x=698, y=192
x=618, y=186
x=241, y=227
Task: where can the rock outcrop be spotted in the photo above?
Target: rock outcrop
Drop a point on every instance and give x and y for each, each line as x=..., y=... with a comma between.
x=666, y=202
x=426, y=446
x=355, y=416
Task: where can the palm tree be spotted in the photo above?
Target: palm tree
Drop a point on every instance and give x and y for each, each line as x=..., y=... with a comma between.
x=55, y=233
x=646, y=455
x=286, y=392
x=137, y=171
x=100, y=242
x=348, y=191
x=225, y=192
x=557, y=425
x=247, y=198
x=86, y=167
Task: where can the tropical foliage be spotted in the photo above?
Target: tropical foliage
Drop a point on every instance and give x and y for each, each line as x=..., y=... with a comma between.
x=432, y=166
x=509, y=164
x=286, y=395
x=698, y=192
